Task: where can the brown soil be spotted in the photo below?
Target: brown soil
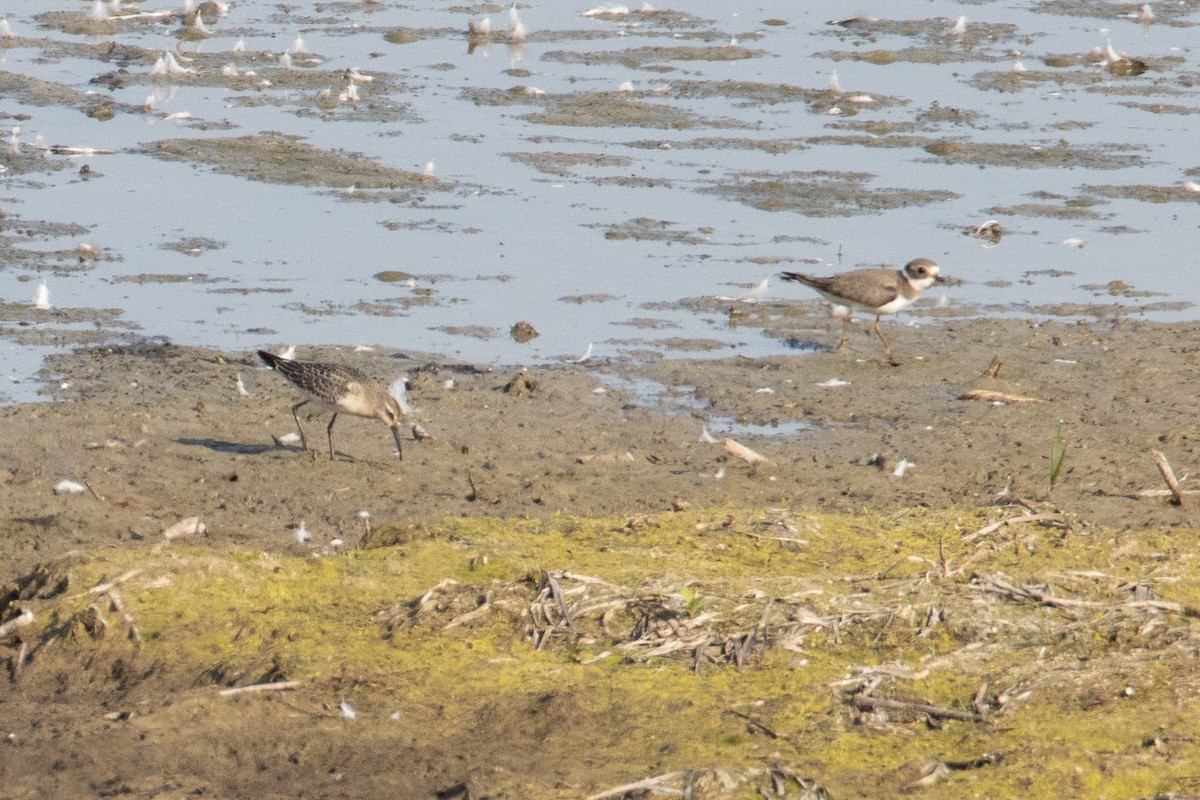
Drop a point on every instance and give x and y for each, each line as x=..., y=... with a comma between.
x=156, y=434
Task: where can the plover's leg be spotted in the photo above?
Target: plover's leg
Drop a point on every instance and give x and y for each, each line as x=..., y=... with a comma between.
x=845, y=332
x=329, y=433
x=295, y=416
x=887, y=348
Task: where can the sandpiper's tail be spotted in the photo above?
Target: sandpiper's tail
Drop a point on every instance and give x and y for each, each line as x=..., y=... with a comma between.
x=301, y=374
x=270, y=358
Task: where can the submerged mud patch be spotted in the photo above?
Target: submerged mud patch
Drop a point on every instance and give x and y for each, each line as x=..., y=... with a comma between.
x=773, y=146
x=274, y=158
x=598, y=109
x=820, y=194
x=565, y=164
x=655, y=56
x=38, y=92
x=1048, y=154
x=1146, y=193
x=656, y=230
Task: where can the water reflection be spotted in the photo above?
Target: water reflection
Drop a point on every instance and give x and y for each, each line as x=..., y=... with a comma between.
x=651, y=157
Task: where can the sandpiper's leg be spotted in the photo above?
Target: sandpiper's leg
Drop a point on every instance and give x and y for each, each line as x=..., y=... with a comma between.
x=329, y=433
x=295, y=416
x=396, y=436
x=845, y=332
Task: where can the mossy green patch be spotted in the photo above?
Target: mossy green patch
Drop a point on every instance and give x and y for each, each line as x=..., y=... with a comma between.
x=869, y=654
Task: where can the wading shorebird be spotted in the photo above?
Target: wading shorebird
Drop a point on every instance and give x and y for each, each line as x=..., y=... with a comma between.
x=880, y=291
x=338, y=389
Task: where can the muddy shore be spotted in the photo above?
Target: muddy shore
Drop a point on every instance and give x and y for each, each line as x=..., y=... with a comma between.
x=154, y=434
x=159, y=433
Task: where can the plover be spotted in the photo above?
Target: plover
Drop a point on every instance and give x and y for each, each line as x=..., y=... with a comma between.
x=338, y=389
x=880, y=291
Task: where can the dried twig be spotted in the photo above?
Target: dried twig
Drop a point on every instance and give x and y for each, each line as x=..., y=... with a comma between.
x=259, y=687
x=101, y=588
x=760, y=537
x=19, y=621
x=998, y=585
x=1017, y=520
x=1162, y=492
x=1169, y=476
x=755, y=725
x=557, y=593
x=1002, y=397
x=482, y=610
x=869, y=702
x=935, y=769
x=655, y=784
x=739, y=450
x=978, y=703
x=975, y=763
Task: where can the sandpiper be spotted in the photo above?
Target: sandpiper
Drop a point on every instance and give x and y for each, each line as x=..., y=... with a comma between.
x=338, y=389
x=880, y=291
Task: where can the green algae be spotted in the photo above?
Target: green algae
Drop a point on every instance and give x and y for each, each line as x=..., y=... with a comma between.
x=1083, y=663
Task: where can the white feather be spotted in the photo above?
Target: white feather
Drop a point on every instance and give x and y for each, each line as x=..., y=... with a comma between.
x=399, y=391
x=41, y=299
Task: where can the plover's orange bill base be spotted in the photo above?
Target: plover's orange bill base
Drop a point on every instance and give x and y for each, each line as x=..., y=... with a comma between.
x=338, y=389
x=879, y=291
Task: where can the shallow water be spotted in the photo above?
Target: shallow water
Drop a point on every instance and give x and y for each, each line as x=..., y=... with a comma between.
x=587, y=211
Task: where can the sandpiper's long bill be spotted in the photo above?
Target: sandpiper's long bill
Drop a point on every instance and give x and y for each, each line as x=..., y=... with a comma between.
x=879, y=291
x=337, y=388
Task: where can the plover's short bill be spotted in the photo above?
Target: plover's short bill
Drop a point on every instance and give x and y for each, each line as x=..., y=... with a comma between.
x=338, y=389
x=879, y=291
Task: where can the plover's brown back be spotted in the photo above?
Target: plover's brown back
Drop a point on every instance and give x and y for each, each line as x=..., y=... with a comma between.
x=880, y=291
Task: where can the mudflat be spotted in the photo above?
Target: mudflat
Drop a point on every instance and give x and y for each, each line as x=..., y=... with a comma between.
x=531, y=489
